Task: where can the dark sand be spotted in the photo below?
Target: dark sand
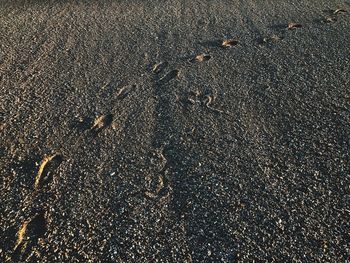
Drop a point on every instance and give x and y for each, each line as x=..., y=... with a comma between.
x=241, y=157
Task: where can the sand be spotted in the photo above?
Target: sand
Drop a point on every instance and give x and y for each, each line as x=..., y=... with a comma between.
x=129, y=133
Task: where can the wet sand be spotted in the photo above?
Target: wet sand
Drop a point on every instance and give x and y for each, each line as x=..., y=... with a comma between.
x=130, y=133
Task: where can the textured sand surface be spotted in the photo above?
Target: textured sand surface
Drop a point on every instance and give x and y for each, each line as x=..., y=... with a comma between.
x=128, y=133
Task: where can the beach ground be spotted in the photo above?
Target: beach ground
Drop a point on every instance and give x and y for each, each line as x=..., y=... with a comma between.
x=174, y=131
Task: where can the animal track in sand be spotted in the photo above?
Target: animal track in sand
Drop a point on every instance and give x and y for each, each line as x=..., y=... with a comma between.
x=48, y=165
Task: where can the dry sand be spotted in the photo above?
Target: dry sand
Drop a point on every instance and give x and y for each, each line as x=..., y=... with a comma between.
x=203, y=153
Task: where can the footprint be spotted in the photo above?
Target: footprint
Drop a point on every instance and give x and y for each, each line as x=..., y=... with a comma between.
x=154, y=186
x=101, y=123
x=48, y=165
x=82, y=124
x=201, y=58
x=273, y=38
x=159, y=67
x=212, y=43
x=293, y=26
x=333, y=15
x=227, y=43
x=29, y=233
x=208, y=103
x=124, y=91
x=339, y=11
x=330, y=20
x=169, y=76
x=187, y=101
